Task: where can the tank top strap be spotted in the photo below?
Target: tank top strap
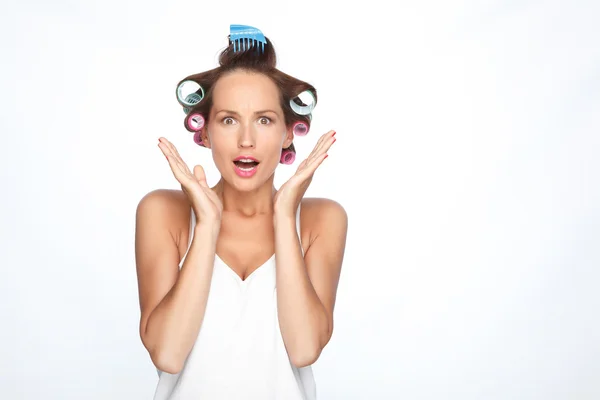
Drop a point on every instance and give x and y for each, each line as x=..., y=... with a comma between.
x=192, y=222
x=298, y=226
x=190, y=235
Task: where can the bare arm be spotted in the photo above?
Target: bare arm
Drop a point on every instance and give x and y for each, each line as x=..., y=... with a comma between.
x=306, y=286
x=172, y=301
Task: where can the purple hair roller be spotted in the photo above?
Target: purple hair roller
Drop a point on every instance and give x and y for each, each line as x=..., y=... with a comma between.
x=198, y=138
x=287, y=157
x=300, y=128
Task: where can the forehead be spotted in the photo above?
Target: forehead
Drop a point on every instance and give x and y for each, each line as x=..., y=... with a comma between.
x=241, y=90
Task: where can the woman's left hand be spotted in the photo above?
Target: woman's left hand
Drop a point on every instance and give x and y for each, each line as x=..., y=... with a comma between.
x=288, y=197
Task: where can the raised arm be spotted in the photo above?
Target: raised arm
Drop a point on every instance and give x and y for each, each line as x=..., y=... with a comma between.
x=172, y=301
x=307, y=286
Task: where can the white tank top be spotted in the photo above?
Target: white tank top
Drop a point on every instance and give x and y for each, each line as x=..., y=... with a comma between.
x=239, y=352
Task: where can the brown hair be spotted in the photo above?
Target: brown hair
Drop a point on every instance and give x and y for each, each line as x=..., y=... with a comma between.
x=252, y=59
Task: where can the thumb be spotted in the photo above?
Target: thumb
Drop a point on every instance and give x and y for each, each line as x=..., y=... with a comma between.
x=200, y=175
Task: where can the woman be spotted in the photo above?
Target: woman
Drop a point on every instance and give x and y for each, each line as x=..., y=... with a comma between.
x=238, y=282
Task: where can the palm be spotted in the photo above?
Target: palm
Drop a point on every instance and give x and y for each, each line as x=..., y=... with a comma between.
x=205, y=201
x=291, y=192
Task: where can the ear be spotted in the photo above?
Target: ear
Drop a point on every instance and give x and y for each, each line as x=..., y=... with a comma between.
x=205, y=139
x=289, y=137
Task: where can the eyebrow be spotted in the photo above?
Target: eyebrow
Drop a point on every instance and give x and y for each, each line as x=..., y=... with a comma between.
x=256, y=112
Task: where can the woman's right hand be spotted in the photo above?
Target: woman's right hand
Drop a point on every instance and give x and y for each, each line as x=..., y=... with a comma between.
x=204, y=200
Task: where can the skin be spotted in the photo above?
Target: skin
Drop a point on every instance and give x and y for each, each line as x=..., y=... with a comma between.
x=243, y=220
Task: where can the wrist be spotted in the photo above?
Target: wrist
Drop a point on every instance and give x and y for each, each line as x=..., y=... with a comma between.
x=283, y=217
x=284, y=210
x=208, y=229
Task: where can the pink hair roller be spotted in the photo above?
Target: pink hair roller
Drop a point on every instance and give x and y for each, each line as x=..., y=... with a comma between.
x=300, y=128
x=287, y=157
x=198, y=138
x=194, y=122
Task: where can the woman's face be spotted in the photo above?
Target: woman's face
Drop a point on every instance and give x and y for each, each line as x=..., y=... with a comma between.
x=246, y=120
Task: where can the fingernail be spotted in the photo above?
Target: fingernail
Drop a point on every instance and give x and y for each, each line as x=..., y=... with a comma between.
x=334, y=139
x=334, y=132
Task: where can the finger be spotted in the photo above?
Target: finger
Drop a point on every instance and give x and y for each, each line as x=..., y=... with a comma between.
x=318, y=145
x=302, y=164
x=200, y=175
x=324, y=141
x=325, y=144
x=212, y=195
x=173, y=149
x=311, y=164
x=175, y=155
x=180, y=171
x=315, y=151
x=172, y=146
x=166, y=150
x=312, y=167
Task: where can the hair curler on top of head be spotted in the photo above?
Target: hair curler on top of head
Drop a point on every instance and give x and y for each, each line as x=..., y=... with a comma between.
x=245, y=37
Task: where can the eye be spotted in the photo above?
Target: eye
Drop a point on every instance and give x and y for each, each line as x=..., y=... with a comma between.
x=225, y=120
x=266, y=119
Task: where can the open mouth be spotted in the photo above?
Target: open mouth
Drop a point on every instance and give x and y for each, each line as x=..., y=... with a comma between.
x=246, y=164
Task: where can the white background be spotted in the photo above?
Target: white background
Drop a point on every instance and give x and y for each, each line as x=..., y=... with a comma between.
x=468, y=135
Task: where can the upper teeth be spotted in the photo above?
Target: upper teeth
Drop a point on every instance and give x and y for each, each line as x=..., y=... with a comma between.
x=246, y=160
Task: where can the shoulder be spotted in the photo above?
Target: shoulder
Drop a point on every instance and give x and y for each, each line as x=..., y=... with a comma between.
x=163, y=201
x=319, y=207
x=163, y=207
x=320, y=214
x=162, y=196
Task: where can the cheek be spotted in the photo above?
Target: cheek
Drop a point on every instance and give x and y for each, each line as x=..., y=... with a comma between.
x=275, y=135
x=221, y=148
x=274, y=140
x=221, y=153
x=272, y=146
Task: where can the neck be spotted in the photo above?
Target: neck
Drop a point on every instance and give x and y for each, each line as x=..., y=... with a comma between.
x=246, y=203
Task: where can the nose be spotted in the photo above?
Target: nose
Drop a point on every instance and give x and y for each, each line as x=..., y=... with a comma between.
x=246, y=137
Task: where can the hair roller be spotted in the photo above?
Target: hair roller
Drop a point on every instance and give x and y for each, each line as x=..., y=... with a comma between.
x=198, y=138
x=194, y=122
x=189, y=93
x=287, y=156
x=191, y=98
x=300, y=128
x=304, y=103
